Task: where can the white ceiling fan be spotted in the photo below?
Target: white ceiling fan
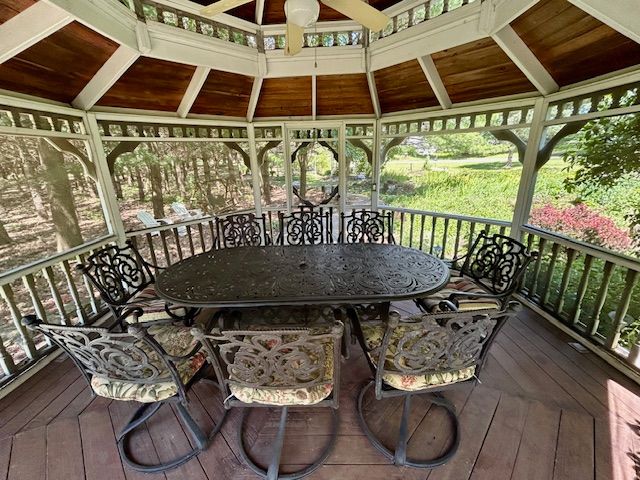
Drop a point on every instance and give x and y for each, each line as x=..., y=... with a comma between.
x=304, y=13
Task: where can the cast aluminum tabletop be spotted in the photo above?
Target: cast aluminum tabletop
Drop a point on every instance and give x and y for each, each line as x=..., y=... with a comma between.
x=302, y=275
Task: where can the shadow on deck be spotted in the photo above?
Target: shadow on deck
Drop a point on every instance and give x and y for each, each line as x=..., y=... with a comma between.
x=543, y=411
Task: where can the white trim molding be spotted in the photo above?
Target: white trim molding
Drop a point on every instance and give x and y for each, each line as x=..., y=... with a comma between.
x=29, y=27
x=106, y=77
x=195, y=85
x=255, y=96
x=435, y=81
x=373, y=90
x=621, y=15
x=526, y=61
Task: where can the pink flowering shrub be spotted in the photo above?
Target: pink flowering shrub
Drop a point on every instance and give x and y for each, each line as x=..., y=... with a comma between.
x=582, y=223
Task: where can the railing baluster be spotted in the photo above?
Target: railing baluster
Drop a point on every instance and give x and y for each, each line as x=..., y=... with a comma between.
x=30, y=284
x=6, y=361
x=432, y=240
x=214, y=238
x=564, y=283
x=472, y=229
x=582, y=289
x=203, y=247
x=456, y=247
x=27, y=342
x=536, y=268
x=152, y=251
x=411, y=217
x=176, y=237
x=191, y=249
x=594, y=321
x=444, y=237
x=55, y=294
x=631, y=279
x=163, y=239
x=73, y=291
x=546, y=290
x=401, y=228
x=89, y=288
x=422, y=219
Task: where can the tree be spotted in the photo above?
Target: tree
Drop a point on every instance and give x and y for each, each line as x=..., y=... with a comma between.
x=604, y=154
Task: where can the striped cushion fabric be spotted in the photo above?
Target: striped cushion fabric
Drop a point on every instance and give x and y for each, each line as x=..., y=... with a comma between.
x=461, y=284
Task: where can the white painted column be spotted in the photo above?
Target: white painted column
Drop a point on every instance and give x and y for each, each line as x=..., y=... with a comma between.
x=288, y=175
x=255, y=169
x=342, y=166
x=529, y=173
x=375, y=168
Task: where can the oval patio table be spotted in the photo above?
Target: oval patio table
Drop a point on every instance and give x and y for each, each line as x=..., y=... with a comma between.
x=336, y=274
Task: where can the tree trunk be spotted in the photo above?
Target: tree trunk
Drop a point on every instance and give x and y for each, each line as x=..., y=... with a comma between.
x=140, y=185
x=157, y=200
x=266, y=178
x=5, y=239
x=302, y=160
x=32, y=182
x=63, y=210
x=117, y=185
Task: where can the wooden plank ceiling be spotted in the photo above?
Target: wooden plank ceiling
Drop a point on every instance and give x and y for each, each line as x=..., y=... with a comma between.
x=343, y=95
x=150, y=84
x=225, y=94
x=572, y=45
x=479, y=70
x=274, y=10
x=285, y=97
x=404, y=87
x=10, y=8
x=59, y=66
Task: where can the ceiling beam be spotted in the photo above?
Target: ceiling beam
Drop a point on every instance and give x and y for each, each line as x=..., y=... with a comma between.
x=253, y=100
x=621, y=15
x=29, y=27
x=497, y=14
x=259, y=11
x=192, y=91
x=526, y=61
x=106, y=77
x=434, y=79
x=373, y=90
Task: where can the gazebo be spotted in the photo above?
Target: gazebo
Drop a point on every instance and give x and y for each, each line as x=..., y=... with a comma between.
x=144, y=120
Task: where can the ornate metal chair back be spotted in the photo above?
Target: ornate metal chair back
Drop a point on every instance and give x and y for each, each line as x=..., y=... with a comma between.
x=118, y=273
x=308, y=226
x=133, y=356
x=497, y=262
x=242, y=230
x=436, y=344
x=365, y=226
x=275, y=359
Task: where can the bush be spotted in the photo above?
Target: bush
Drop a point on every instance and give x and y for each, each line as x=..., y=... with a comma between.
x=582, y=223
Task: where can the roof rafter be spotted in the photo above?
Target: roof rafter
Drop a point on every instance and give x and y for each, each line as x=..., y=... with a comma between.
x=253, y=100
x=433, y=77
x=371, y=80
x=621, y=15
x=191, y=93
x=259, y=11
x=526, y=61
x=106, y=77
x=29, y=27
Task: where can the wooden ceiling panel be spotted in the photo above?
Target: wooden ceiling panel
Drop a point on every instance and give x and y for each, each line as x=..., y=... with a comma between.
x=479, y=70
x=59, y=66
x=572, y=45
x=224, y=93
x=343, y=95
x=274, y=11
x=150, y=84
x=404, y=87
x=285, y=97
x=10, y=8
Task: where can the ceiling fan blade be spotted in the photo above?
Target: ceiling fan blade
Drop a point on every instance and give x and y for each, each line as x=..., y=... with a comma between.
x=221, y=6
x=294, y=39
x=361, y=12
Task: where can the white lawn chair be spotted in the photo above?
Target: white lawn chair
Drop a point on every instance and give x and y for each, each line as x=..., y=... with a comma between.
x=150, y=221
x=184, y=213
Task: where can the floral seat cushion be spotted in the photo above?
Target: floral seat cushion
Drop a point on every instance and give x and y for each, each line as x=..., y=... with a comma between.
x=176, y=341
x=289, y=396
x=152, y=305
x=458, y=285
x=373, y=336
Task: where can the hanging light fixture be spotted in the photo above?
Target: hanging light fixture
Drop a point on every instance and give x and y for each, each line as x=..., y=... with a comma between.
x=303, y=13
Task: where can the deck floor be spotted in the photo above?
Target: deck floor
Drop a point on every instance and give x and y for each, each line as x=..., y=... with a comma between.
x=543, y=411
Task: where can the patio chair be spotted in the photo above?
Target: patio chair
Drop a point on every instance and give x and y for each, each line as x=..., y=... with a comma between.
x=425, y=355
x=154, y=364
x=490, y=273
x=125, y=281
x=365, y=226
x=284, y=368
x=184, y=213
x=307, y=226
x=242, y=230
x=149, y=221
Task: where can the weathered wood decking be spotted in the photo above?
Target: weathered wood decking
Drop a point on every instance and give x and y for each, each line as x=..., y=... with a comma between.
x=543, y=411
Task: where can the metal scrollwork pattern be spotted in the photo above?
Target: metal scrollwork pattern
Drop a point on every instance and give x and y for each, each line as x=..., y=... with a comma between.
x=302, y=275
x=243, y=230
x=436, y=344
x=497, y=260
x=364, y=226
x=115, y=356
x=117, y=273
x=306, y=227
x=282, y=359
